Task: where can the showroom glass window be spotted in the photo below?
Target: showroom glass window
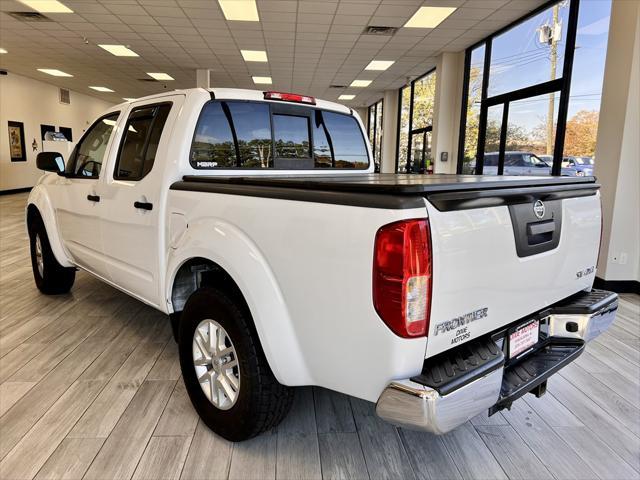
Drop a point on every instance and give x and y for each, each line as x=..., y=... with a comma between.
x=532, y=91
x=244, y=134
x=375, y=132
x=415, y=125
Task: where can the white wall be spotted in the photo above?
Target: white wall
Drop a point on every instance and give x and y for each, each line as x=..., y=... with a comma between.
x=33, y=103
x=618, y=147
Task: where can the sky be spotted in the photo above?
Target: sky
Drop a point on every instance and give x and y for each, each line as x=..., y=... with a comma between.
x=519, y=60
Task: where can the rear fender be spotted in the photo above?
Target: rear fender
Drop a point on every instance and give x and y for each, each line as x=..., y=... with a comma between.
x=227, y=246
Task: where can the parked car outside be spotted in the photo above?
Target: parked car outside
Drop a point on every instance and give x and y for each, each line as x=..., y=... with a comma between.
x=582, y=165
x=521, y=163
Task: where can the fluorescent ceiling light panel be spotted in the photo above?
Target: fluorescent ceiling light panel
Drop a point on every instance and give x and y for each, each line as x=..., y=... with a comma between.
x=243, y=10
x=262, y=80
x=2, y=50
x=360, y=83
x=160, y=76
x=119, y=50
x=54, y=72
x=346, y=97
x=379, y=64
x=101, y=89
x=254, y=55
x=47, y=6
x=429, y=17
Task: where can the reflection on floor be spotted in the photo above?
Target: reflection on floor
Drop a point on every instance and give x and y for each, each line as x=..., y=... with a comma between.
x=90, y=388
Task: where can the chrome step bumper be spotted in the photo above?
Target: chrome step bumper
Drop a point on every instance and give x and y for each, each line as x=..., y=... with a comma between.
x=411, y=404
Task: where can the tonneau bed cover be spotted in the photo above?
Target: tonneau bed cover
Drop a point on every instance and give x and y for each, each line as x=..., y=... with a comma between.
x=388, y=190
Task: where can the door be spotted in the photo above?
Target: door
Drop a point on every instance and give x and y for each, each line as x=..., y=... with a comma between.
x=421, y=156
x=78, y=203
x=133, y=200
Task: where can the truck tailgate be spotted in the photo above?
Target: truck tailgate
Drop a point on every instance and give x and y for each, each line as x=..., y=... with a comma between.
x=499, y=257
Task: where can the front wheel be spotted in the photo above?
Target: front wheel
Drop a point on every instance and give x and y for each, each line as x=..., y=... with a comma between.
x=225, y=370
x=51, y=278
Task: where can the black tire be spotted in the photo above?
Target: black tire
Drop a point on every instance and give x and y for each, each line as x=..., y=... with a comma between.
x=262, y=402
x=54, y=278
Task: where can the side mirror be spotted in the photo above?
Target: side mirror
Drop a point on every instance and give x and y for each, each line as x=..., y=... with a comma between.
x=50, y=162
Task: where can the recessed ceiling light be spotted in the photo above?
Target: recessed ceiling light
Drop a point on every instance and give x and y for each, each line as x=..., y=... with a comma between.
x=119, y=50
x=264, y=80
x=160, y=76
x=54, y=72
x=346, y=97
x=379, y=64
x=47, y=6
x=2, y=50
x=101, y=89
x=254, y=55
x=244, y=10
x=429, y=17
x=360, y=83
x=129, y=99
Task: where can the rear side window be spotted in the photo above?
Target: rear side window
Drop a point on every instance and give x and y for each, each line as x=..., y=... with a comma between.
x=140, y=141
x=349, y=149
x=237, y=134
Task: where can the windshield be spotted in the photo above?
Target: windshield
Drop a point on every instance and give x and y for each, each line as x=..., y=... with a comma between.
x=584, y=160
x=535, y=160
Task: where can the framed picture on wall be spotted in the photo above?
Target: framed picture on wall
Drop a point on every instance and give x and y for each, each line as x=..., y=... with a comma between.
x=16, y=142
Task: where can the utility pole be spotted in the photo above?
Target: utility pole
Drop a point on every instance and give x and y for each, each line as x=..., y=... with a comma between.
x=550, y=35
x=554, y=61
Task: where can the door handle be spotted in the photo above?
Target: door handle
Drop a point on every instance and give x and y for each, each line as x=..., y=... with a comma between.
x=143, y=205
x=93, y=198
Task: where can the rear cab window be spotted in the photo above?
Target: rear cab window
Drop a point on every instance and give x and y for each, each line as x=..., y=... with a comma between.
x=259, y=135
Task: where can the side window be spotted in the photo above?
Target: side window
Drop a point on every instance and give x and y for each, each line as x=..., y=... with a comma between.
x=511, y=160
x=346, y=140
x=140, y=141
x=491, y=160
x=87, y=158
x=232, y=135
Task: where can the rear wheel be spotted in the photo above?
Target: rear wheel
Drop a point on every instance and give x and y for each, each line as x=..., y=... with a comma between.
x=51, y=278
x=225, y=370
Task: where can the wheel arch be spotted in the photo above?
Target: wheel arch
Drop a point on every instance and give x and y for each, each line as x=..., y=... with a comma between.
x=39, y=204
x=237, y=267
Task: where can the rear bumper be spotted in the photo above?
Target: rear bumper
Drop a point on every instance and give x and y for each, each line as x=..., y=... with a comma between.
x=475, y=377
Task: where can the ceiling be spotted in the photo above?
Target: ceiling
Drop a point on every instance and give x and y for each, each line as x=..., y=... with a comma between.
x=310, y=44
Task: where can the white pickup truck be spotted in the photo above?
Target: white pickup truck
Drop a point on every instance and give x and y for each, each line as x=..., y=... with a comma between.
x=255, y=221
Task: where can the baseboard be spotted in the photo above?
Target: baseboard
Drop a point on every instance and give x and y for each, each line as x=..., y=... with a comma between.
x=15, y=190
x=618, y=286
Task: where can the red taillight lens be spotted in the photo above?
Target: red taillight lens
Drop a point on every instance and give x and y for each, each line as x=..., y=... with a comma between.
x=289, y=97
x=402, y=277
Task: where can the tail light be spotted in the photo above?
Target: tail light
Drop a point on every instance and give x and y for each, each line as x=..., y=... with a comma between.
x=402, y=277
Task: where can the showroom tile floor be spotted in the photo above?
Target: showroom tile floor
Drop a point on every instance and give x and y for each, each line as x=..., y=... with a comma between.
x=90, y=388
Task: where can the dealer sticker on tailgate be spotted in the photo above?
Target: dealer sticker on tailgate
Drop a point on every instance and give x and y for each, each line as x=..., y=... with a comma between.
x=525, y=337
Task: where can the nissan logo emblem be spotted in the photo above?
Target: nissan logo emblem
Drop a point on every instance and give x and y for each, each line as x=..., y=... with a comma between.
x=538, y=208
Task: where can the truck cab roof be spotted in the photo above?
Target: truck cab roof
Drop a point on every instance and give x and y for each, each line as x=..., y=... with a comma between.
x=239, y=94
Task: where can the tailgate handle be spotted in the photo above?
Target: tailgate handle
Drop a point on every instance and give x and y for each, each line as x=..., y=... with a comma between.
x=540, y=232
